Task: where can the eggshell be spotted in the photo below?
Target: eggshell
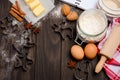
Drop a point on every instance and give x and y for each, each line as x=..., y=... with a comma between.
x=65, y=9
x=72, y=16
x=90, y=50
x=77, y=52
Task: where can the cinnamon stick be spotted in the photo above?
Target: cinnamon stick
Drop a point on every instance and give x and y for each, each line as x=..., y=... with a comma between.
x=18, y=6
x=22, y=13
x=14, y=6
x=16, y=15
x=13, y=9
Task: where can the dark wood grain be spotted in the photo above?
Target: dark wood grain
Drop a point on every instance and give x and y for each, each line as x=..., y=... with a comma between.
x=4, y=8
x=47, y=64
x=18, y=73
x=51, y=52
x=91, y=68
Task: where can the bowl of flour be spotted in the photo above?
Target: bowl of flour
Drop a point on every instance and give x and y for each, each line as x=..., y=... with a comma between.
x=110, y=7
x=91, y=25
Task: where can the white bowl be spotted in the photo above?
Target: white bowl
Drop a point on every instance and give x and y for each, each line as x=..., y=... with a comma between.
x=108, y=11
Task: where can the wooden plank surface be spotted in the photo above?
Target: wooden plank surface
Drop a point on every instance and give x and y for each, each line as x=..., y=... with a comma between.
x=47, y=64
x=19, y=73
x=52, y=51
x=4, y=8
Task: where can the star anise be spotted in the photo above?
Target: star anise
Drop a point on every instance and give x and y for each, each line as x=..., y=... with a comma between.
x=71, y=64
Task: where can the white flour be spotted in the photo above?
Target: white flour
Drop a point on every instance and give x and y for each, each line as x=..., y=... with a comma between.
x=112, y=4
x=92, y=23
x=52, y=1
x=56, y=11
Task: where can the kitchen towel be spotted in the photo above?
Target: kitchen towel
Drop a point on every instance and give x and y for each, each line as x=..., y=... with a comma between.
x=112, y=66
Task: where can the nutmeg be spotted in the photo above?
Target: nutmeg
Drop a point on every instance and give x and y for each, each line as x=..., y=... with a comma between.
x=72, y=16
x=65, y=9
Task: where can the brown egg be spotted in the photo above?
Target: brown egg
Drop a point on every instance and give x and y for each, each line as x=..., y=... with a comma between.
x=72, y=16
x=90, y=51
x=65, y=9
x=77, y=52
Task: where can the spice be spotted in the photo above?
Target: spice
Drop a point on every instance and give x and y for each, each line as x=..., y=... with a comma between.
x=18, y=7
x=22, y=13
x=36, y=30
x=71, y=64
x=15, y=15
x=17, y=12
x=28, y=25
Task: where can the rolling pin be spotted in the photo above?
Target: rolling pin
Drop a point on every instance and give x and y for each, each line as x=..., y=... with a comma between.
x=109, y=47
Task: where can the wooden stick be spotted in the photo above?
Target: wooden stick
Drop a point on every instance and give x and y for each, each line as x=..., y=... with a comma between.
x=17, y=12
x=15, y=15
x=17, y=9
x=109, y=47
x=14, y=6
x=100, y=64
x=18, y=6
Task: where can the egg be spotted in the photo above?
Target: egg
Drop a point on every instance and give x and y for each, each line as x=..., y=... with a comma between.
x=65, y=9
x=77, y=52
x=90, y=50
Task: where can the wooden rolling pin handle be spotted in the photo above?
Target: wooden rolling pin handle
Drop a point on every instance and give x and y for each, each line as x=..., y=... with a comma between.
x=100, y=64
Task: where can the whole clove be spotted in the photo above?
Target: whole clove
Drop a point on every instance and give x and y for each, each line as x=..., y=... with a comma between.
x=28, y=25
x=36, y=30
x=71, y=64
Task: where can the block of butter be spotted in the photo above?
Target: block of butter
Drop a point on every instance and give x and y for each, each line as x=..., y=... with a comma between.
x=27, y=1
x=38, y=10
x=30, y=16
x=33, y=4
x=35, y=7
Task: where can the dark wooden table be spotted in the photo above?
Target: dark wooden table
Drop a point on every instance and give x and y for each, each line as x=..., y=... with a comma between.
x=51, y=53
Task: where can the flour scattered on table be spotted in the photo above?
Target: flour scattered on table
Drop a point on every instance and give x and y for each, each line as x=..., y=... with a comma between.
x=56, y=11
x=38, y=24
x=52, y=1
